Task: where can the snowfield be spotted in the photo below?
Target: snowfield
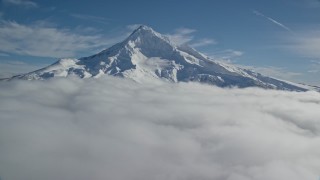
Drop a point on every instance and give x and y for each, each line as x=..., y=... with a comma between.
x=112, y=128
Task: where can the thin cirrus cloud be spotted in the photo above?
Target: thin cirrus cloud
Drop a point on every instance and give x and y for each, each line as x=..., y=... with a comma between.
x=276, y=72
x=314, y=67
x=182, y=35
x=185, y=36
x=112, y=128
x=46, y=41
x=226, y=55
x=306, y=43
x=22, y=3
x=272, y=20
x=203, y=42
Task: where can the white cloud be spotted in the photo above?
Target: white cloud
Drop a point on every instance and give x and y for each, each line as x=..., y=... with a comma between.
x=24, y=3
x=184, y=36
x=314, y=67
x=237, y=53
x=203, y=42
x=276, y=72
x=226, y=55
x=272, y=20
x=185, y=31
x=116, y=129
x=47, y=41
x=314, y=71
x=306, y=43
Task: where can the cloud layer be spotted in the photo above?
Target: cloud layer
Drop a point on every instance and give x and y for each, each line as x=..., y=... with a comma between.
x=116, y=129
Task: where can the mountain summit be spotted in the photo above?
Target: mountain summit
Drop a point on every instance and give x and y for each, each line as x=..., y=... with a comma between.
x=147, y=55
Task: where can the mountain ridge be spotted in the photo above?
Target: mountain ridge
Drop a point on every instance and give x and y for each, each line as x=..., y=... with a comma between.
x=146, y=54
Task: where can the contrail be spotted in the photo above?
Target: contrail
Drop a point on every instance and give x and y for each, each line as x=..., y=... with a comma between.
x=272, y=20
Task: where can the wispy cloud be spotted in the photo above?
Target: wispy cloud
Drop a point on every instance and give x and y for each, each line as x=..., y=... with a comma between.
x=185, y=35
x=87, y=17
x=272, y=20
x=226, y=55
x=314, y=67
x=23, y=3
x=47, y=41
x=276, y=72
x=203, y=42
x=305, y=43
x=182, y=35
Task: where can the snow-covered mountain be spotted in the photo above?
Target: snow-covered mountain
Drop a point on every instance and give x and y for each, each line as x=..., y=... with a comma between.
x=147, y=55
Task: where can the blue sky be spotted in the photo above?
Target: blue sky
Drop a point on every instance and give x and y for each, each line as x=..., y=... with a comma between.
x=275, y=37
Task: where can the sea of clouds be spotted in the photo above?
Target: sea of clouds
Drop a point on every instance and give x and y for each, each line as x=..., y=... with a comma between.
x=116, y=129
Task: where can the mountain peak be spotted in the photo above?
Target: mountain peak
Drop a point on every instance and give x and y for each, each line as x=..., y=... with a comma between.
x=143, y=29
x=146, y=32
x=147, y=55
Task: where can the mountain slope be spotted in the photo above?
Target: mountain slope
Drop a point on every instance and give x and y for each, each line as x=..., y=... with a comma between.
x=147, y=55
